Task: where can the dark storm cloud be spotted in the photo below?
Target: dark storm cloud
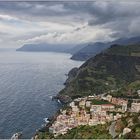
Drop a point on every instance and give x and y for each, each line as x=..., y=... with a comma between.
x=102, y=11
x=105, y=11
x=33, y=10
x=122, y=17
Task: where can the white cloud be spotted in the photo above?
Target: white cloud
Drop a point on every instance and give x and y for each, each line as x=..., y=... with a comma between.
x=7, y=17
x=64, y=22
x=80, y=34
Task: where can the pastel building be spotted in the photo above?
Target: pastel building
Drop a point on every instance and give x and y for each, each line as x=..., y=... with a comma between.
x=95, y=108
x=75, y=109
x=72, y=104
x=109, y=98
x=124, y=107
x=107, y=107
x=135, y=107
x=88, y=103
x=82, y=103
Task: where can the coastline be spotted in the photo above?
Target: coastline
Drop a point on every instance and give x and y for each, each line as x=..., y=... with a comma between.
x=52, y=88
x=64, y=100
x=46, y=127
x=51, y=121
x=91, y=111
x=61, y=98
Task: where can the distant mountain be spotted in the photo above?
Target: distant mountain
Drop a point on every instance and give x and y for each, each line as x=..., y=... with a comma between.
x=42, y=47
x=81, y=51
x=89, y=50
x=92, y=49
x=77, y=48
x=108, y=71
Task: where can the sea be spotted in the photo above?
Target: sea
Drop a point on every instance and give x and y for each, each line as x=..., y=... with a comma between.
x=28, y=81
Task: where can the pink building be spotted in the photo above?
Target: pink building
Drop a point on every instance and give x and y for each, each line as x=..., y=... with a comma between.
x=108, y=107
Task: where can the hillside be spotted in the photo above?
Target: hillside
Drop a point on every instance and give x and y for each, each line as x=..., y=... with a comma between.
x=108, y=71
x=89, y=50
x=77, y=48
x=92, y=49
x=88, y=132
x=129, y=120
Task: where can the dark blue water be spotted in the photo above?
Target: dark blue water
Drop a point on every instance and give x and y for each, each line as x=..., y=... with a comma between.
x=27, y=82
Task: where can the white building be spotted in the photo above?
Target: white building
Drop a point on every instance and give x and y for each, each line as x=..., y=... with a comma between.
x=124, y=107
x=88, y=103
x=109, y=98
x=135, y=107
x=72, y=104
x=82, y=103
x=75, y=109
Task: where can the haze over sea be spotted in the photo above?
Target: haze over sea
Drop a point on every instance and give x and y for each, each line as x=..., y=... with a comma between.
x=27, y=82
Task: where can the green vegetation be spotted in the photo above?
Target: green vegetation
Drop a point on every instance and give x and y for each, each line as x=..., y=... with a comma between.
x=127, y=50
x=132, y=121
x=106, y=72
x=45, y=135
x=115, y=71
x=99, y=102
x=128, y=91
x=87, y=132
x=120, y=125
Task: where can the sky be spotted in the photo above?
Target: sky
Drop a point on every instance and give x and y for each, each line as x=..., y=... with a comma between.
x=67, y=22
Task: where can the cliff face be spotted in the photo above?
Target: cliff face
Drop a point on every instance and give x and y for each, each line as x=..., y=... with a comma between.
x=107, y=71
x=71, y=75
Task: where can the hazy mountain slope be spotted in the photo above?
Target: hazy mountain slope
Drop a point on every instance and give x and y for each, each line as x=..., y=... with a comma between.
x=77, y=48
x=47, y=47
x=110, y=70
x=89, y=50
x=94, y=48
x=80, y=52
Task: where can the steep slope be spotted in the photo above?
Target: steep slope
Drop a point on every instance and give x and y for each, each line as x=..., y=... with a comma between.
x=77, y=48
x=108, y=71
x=92, y=49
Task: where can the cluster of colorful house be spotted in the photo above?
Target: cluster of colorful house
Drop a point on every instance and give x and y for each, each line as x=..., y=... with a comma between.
x=83, y=111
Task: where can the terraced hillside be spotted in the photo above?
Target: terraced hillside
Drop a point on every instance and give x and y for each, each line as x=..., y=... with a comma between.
x=108, y=71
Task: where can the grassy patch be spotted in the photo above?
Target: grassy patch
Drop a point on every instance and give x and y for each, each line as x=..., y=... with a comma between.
x=87, y=132
x=99, y=102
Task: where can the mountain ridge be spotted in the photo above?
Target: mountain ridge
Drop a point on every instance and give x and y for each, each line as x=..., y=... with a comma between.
x=105, y=72
x=43, y=47
x=80, y=52
x=94, y=48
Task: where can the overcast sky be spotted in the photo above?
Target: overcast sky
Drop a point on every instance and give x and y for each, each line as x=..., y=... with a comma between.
x=67, y=22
